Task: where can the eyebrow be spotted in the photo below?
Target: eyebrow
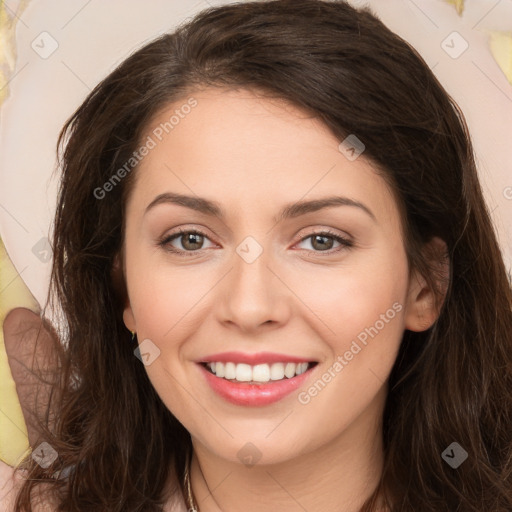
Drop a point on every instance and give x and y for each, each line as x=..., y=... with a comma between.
x=289, y=211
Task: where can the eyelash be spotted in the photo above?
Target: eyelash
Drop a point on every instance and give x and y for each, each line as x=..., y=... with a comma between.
x=345, y=243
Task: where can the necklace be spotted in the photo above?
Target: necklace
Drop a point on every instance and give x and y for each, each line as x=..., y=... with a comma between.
x=191, y=504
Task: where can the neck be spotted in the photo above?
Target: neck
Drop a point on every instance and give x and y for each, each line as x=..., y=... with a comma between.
x=337, y=477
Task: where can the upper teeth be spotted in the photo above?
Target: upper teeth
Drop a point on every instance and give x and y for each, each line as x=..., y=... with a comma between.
x=258, y=373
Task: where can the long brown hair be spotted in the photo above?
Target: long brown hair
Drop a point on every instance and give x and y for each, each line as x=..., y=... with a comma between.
x=450, y=383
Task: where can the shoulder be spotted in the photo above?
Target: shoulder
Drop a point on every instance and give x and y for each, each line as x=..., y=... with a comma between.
x=11, y=481
x=176, y=503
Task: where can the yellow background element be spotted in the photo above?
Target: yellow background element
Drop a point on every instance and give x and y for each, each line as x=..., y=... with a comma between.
x=13, y=431
x=459, y=5
x=501, y=49
x=500, y=43
x=8, y=44
x=13, y=291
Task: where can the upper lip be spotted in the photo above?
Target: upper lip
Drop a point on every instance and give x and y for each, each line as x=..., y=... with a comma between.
x=253, y=359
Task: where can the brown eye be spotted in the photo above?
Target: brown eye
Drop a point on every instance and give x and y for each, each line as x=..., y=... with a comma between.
x=323, y=242
x=191, y=241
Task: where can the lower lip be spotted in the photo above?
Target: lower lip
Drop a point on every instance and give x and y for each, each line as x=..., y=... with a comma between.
x=254, y=394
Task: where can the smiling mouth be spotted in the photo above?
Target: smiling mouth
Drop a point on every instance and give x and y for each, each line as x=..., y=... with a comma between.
x=257, y=374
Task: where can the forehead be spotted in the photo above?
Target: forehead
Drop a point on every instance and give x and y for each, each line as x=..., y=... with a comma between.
x=241, y=148
x=238, y=125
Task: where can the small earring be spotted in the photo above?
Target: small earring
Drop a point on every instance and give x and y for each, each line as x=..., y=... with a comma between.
x=133, y=335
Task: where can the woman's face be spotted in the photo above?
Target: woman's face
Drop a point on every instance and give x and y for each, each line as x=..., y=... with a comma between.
x=259, y=281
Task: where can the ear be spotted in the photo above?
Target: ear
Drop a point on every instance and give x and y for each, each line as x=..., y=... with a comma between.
x=129, y=319
x=423, y=303
x=119, y=283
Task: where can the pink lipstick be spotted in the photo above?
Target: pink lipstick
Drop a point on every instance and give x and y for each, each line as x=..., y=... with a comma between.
x=254, y=379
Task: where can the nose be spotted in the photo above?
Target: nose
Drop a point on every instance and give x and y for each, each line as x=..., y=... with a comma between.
x=253, y=295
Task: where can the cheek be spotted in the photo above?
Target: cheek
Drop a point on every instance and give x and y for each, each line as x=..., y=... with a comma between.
x=365, y=323
x=166, y=299
x=168, y=304
x=165, y=307
x=353, y=297
x=359, y=311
